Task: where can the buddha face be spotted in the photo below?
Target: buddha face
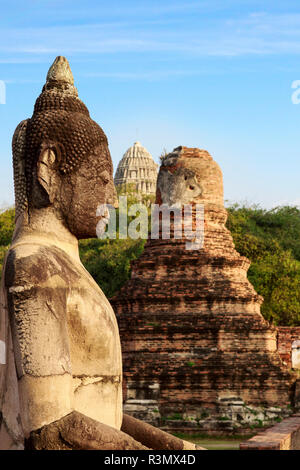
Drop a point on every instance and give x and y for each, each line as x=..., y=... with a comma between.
x=82, y=191
x=177, y=187
x=76, y=196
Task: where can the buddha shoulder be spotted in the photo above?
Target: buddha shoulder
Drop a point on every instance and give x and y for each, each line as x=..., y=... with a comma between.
x=38, y=265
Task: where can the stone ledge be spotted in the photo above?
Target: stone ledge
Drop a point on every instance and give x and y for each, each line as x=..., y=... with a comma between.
x=282, y=436
x=154, y=437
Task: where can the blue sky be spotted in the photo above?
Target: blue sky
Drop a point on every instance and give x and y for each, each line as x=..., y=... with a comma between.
x=211, y=74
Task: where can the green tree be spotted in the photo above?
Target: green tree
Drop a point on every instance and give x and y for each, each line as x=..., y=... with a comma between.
x=108, y=261
x=271, y=240
x=281, y=224
x=276, y=277
x=7, y=226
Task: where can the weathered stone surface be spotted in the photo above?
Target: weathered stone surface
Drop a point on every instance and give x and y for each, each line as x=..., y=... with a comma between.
x=137, y=167
x=62, y=341
x=78, y=432
x=60, y=356
x=193, y=338
x=282, y=436
x=153, y=437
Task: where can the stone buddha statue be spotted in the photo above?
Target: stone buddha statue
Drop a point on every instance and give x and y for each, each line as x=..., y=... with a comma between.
x=60, y=355
x=62, y=340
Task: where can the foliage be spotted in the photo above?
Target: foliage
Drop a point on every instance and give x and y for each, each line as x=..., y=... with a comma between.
x=108, y=261
x=7, y=225
x=271, y=240
x=257, y=229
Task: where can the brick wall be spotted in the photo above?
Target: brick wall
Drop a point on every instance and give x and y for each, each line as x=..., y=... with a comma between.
x=286, y=335
x=282, y=436
x=197, y=352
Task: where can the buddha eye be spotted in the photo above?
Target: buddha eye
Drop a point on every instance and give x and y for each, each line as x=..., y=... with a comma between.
x=191, y=187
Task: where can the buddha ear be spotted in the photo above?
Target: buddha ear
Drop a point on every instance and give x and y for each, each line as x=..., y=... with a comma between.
x=46, y=170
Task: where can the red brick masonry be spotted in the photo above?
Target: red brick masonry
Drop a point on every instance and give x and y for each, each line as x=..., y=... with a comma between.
x=282, y=436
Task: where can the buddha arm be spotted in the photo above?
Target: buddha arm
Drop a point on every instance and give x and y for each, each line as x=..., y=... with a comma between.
x=79, y=432
x=37, y=313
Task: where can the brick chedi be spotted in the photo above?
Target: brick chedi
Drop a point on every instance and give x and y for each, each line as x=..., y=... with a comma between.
x=137, y=167
x=197, y=352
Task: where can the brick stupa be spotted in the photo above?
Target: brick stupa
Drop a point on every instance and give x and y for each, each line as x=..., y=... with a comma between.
x=197, y=353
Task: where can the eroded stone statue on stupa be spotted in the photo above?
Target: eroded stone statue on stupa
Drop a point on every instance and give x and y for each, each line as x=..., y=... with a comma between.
x=60, y=362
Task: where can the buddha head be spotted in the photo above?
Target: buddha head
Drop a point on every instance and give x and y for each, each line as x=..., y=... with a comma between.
x=189, y=175
x=61, y=158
